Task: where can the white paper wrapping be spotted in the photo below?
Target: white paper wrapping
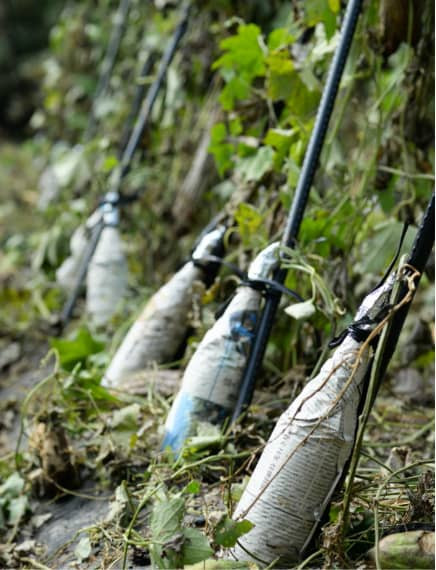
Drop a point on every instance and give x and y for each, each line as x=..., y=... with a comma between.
x=66, y=274
x=302, y=460
x=306, y=453
x=212, y=379
x=159, y=330
x=215, y=370
x=106, y=280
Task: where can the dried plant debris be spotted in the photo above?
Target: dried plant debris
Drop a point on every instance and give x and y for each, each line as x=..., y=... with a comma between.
x=49, y=443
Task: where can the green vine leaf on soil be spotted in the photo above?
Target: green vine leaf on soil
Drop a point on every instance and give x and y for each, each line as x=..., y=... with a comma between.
x=165, y=527
x=228, y=531
x=196, y=546
x=77, y=350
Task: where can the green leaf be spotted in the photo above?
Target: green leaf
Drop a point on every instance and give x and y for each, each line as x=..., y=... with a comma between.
x=301, y=311
x=241, y=62
x=379, y=249
x=17, y=507
x=228, y=531
x=196, y=546
x=387, y=197
x=83, y=549
x=292, y=170
x=301, y=101
x=220, y=149
x=280, y=140
x=13, y=486
x=166, y=518
x=249, y=221
x=126, y=418
x=110, y=162
x=425, y=360
x=166, y=533
x=334, y=5
x=334, y=513
x=237, y=88
x=98, y=392
x=207, y=435
x=254, y=167
x=74, y=351
x=193, y=487
x=217, y=133
x=279, y=38
x=322, y=11
x=391, y=79
x=235, y=126
x=281, y=77
x=243, y=53
x=198, y=443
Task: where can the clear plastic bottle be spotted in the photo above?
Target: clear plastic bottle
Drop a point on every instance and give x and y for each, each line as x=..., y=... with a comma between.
x=67, y=271
x=106, y=280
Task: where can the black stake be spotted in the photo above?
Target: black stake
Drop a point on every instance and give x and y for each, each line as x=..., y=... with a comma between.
x=108, y=62
x=418, y=258
x=295, y=217
x=68, y=308
x=136, y=105
x=147, y=106
x=113, y=197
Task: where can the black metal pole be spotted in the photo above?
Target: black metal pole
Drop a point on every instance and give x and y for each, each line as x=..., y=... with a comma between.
x=136, y=105
x=301, y=196
x=109, y=62
x=418, y=258
x=127, y=155
x=147, y=106
x=67, y=311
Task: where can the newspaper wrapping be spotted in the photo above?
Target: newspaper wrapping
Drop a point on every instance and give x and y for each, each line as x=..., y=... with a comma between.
x=160, y=329
x=106, y=280
x=67, y=272
x=305, y=455
x=212, y=378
